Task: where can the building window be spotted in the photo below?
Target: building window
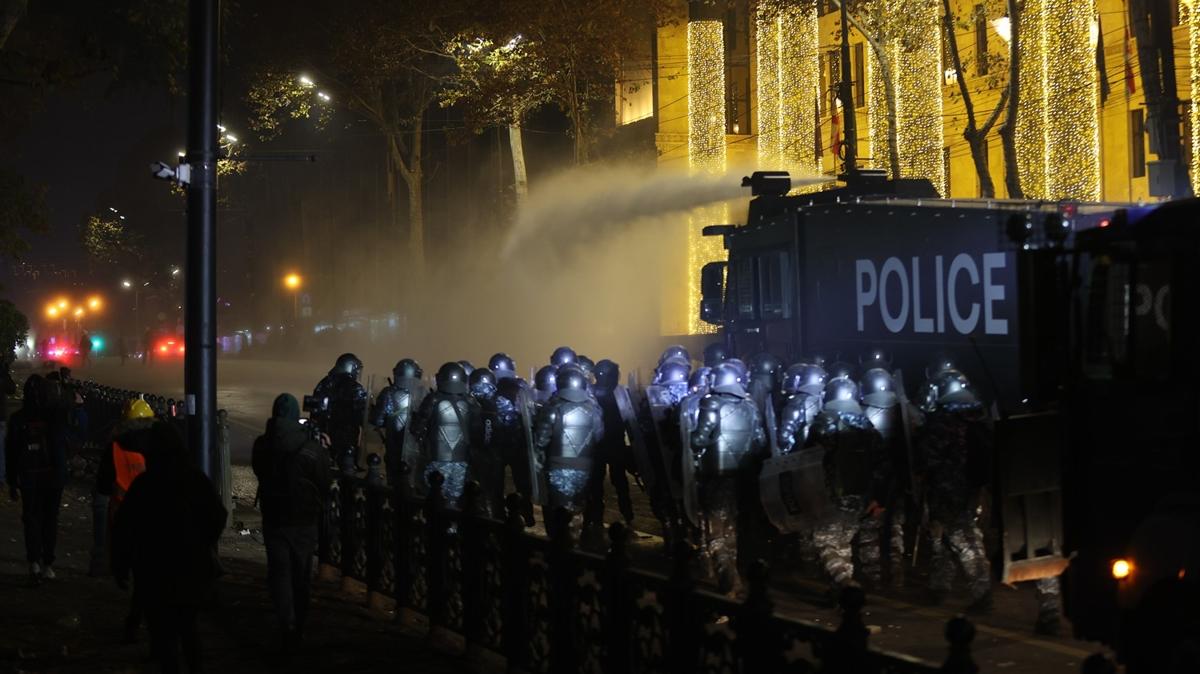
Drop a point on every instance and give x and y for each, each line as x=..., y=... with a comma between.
x=737, y=68
x=1137, y=143
x=860, y=76
x=981, y=40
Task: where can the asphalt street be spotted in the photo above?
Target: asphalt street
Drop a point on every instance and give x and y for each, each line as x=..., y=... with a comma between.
x=900, y=620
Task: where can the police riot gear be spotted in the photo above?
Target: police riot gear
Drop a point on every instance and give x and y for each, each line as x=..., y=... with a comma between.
x=727, y=378
x=879, y=401
x=482, y=378
x=447, y=424
x=407, y=368
x=840, y=369
x=948, y=388
x=876, y=357
x=343, y=409
x=565, y=436
x=570, y=378
x=586, y=364
x=804, y=378
x=675, y=351
x=451, y=378
x=394, y=407
x=841, y=395
x=503, y=366
x=764, y=370
x=486, y=465
x=820, y=359
x=607, y=374
x=611, y=452
x=563, y=355
x=738, y=365
x=715, y=354
x=804, y=387
x=466, y=365
x=939, y=364
x=700, y=380
x=728, y=436
x=671, y=373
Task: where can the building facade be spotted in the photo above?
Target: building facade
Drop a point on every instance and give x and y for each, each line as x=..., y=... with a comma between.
x=744, y=84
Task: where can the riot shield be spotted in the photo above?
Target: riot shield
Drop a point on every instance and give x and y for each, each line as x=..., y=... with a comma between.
x=688, y=412
x=1029, y=484
x=525, y=406
x=792, y=490
x=641, y=455
x=772, y=425
x=667, y=445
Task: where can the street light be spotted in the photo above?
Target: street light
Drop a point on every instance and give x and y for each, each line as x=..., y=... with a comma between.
x=79, y=312
x=94, y=303
x=127, y=284
x=52, y=311
x=292, y=282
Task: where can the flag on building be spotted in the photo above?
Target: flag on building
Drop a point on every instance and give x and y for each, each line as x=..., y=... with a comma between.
x=1130, y=82
x=1101, y=65
x=835, y=132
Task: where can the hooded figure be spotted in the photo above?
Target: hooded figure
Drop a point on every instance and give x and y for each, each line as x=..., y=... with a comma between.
x=293, y=481
x=166, y=535
x=37, y=470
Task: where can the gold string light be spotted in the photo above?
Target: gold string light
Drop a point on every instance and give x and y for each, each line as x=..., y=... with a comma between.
x=1193, y=21
x=799, y=84
x=877, y=132
x=918, y=73
x=767, y=51
x=706, y=151
x=1072, y=118
x=1031, y=113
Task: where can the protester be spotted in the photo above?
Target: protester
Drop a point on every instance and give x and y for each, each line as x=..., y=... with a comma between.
x=37, y=470
x=7, y=387
x=293, y=477
x=165, y=534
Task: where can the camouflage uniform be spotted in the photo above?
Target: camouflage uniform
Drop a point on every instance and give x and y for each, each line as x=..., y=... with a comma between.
x=855, y=469
x=954, y=459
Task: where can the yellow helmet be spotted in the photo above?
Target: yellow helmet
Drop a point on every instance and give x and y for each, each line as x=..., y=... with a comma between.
x=138, y=409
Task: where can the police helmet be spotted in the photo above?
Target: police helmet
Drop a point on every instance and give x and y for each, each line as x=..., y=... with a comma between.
x=938, y=364
x=451, y=378
x=841, y=395
x=727, y=378
x=948, y=387
x=607, y=374
x=348, y=363
x=671, y=372
x=544, y=379
x=715, y=354
x=819, y=359
x=502, y=365
x=840, y=369
x=570, y=378
x=700, y=380
x=804, y=378
x=878, y=388
x=466, y=366
x=876, y=357
x=674, y=351
x=407, y=368
x=740, y=366
x=563, y=355
x=586, y=364
x=481, y=375
x=764, y=365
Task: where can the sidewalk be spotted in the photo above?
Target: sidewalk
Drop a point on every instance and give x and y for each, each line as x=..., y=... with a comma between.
x=74, y=623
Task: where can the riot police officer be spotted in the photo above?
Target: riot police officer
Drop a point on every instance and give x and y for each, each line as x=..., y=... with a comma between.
x=340, y=409
x=675, y=352
x=513, y=439
x=487, y=458
x=466, y=366
x=394, y=407
x=447, y=424
x=611, y=451
x=565, y=437
x=855, y=469
x=728, y=437
x=875, y=357
x=954, y=457
x=764, y=371
x=803, y=388
x=658, y=416
x=881, y=539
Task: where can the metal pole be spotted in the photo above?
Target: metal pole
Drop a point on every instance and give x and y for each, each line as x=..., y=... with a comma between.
x=200, y=334
x=846, y=94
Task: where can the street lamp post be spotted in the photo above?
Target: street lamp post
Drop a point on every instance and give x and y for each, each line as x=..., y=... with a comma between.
x=293, y=282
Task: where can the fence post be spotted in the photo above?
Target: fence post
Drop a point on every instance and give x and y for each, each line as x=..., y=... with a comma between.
x=681, y=620
x=471, y=532
x=960, y=633
x=846, y=650
x=563, y=575
x=404, y=534
x=226, y=472
x=618, y=603
x=516, y=585
x=759, y=643
x=435, y=552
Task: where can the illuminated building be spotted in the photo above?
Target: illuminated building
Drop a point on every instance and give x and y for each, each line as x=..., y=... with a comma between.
x=1070, y=144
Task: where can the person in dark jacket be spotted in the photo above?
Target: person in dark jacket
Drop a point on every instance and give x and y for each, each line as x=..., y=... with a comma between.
x=37, y=470
x=166, y=534
x=7, y=387
x=293, y=478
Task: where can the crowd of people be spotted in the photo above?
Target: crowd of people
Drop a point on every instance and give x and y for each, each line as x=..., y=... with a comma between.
x=884, y=473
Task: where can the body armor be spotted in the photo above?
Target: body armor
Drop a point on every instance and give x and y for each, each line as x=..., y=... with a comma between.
x=567, y=431
x=799, y=412
x=447, y=433
x=729, y=429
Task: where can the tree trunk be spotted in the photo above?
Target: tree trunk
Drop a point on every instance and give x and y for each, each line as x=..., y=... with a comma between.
x=520, y=181
x=11, y=13
x=976, y=137
x=979, y=155
x=1008, y=130
x=415, y=178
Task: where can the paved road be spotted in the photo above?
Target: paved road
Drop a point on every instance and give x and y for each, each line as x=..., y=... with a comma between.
x=902, y=622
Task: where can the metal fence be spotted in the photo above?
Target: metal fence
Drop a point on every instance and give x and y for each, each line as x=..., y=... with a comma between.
x=546, y=607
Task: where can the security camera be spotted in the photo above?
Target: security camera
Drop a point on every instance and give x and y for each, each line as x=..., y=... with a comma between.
x=181, y=174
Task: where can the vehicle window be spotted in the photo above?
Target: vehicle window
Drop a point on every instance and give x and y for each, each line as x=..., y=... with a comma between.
x=1106, y=316
x=1127, y=318
x=774, y=284
x=743, y=286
